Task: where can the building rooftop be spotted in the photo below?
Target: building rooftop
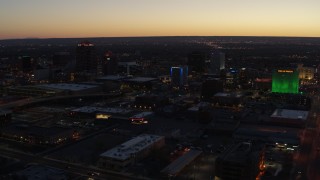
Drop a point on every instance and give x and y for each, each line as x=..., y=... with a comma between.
x=111, y=78
x=269, y=133
x=65, y=86
x=176, y=166
x=141, y=79
x=92, y=109
x=196, y=107
x=42, y=172
x=290, y=114
x=238, y=153
x=129, y=148
x=221, y=94
x=142, y=114
x=127, y=63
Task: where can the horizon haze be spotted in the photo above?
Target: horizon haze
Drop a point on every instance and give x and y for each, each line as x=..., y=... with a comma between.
x=140, y=18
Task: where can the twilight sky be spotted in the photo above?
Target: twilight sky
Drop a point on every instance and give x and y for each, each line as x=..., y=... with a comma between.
x=109, y=18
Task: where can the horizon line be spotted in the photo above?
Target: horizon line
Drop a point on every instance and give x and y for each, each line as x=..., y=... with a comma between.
x=95, y=37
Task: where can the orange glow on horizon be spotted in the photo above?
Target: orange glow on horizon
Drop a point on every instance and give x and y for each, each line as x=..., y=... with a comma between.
x=125, y=18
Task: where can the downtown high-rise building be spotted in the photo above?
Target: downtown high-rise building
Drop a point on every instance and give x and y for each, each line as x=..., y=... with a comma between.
x=217, y=62
x=86, y=61
x=28, y=64
x=179, y=75
x=61, y=59
x=285, y=81
x=196, y=62
x=109, y=64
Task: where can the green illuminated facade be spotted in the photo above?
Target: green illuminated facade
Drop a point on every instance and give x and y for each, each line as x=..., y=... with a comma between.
x=285, y=81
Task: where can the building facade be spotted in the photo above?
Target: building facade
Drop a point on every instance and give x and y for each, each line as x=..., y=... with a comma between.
x=285, y=81
x=86, y=61
x=217, y=62
x=179, y=75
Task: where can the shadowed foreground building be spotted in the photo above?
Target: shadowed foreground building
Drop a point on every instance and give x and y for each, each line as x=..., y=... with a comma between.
x=40, y=172
x=239, y=162
x=5, y=117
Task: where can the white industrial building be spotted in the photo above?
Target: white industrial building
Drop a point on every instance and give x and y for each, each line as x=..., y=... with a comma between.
x=129, y=152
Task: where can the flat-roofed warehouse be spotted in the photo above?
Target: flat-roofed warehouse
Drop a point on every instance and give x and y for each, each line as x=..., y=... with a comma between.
x=129, y=152
x=110, y=112
x=179, y=164
x=140, y=82
x=287, y=117
x=72, y=89
x=53, y=89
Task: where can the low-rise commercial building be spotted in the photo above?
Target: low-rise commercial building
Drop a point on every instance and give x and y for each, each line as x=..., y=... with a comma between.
x=228, y=99
x=268, y=134
x=103, y=112
x=130, y=152
x=37, y=135
x=150, y=101
x=291, y=118
x=177, y=166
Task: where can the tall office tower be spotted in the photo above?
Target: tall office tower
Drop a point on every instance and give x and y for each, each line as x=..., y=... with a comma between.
x=196, y=62
x=28, y=64
x=217, y=62
x=61, y=59
x=109, y=64
x=179, y=75
x=86, y=60
x=285, y=81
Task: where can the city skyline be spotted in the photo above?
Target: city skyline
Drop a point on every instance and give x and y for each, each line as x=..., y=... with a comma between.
x=125, y=18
